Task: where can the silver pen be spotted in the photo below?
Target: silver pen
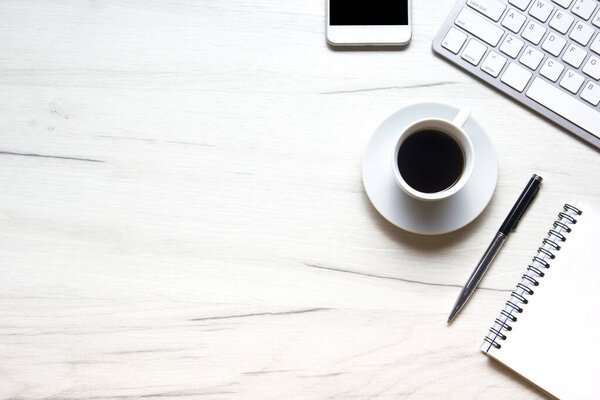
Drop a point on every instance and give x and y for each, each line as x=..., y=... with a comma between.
x=509, y=225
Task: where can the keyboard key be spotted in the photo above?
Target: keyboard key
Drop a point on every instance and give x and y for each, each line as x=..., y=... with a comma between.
x=531, y=57
x=474, y=52
x=572, y=81
x=595, y=46
x=478, y=26
x=533, y=32
x=591, y=93
x=513, y=20
x=516, y=77
x=563, y=3
x=454, y=40
x=493, y=63
x=520, y=4
x=584, y=8
x=563, y=104
x=511, y=46
x=551, y=69
x=574, y=55
x=592, y=67
x=541, y=9
x=582, y=33
x=490, y=8
x=554, y=44
x=561, y=21
x=596, y=19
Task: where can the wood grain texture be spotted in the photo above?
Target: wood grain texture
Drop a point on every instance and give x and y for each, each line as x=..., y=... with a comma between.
x=183, y=215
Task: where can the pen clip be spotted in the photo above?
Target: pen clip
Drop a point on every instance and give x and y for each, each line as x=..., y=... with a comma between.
x=514, y=228
x=522, y=204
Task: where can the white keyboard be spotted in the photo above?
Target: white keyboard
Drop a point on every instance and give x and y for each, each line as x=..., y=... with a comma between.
x=543, y=53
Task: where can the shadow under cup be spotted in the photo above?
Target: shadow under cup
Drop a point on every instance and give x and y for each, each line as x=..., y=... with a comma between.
x=433, y=159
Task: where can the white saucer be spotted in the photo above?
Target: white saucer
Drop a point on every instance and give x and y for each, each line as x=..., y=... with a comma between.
x=427, y=218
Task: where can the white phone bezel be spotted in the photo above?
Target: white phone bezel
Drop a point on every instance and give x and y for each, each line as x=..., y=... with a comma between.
x=369, y=35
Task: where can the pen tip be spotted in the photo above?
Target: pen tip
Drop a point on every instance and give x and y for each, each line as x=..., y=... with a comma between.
x=451, y=317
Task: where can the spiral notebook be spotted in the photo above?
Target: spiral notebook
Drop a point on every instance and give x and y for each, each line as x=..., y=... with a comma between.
x=549, y=328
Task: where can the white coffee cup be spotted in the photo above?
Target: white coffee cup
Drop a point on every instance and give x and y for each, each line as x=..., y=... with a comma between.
x=454, y=130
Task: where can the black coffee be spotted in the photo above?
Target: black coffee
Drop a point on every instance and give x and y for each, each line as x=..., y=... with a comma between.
x=430, y=161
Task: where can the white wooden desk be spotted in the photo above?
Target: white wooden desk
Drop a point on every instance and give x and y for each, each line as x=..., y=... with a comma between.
x=182, y=213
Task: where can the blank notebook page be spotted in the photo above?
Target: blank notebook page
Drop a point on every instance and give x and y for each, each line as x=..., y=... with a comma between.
x=555, y=342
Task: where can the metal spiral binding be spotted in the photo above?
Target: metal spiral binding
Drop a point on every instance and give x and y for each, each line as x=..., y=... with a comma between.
x=536, y=270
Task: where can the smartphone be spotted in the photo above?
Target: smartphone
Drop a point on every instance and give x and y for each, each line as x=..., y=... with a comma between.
x=368, y=23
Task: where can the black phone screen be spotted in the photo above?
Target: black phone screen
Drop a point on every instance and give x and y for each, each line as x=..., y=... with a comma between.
x=374, y=12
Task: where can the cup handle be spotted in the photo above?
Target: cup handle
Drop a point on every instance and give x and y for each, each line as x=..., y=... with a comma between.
x=461, y=117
